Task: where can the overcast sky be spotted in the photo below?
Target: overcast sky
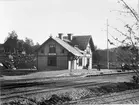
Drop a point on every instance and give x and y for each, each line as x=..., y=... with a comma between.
x=37, y=19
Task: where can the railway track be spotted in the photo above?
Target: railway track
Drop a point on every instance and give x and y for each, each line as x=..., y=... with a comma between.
x=123, y=100
x=122, y=97
x=60, y=87
x=108, y=99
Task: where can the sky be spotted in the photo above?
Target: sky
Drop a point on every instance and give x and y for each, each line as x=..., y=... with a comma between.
x=38, y=19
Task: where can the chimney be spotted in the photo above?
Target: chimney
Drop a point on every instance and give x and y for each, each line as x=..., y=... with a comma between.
x=60, y=35
x=69, y=36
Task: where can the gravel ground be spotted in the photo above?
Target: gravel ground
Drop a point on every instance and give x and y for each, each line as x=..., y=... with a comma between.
x=111, y=99
x=59, y=73
x=77, y=94
x=42, y=84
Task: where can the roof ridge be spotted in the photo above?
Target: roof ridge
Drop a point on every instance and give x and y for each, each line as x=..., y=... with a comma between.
x=81, y=35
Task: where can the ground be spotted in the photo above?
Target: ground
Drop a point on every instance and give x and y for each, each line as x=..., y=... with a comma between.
x=43, y=74
x=51, y=76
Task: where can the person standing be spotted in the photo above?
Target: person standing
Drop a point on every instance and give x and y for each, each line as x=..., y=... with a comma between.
x=98, y=66
x=87, y=65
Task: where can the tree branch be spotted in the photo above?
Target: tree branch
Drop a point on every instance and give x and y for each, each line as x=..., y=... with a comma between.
x=119, y=31
x=131, y=10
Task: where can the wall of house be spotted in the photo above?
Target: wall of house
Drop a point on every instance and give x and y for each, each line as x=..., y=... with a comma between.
x=90, y=66
x=87, y=55
x=74, y=64
x=42, y=62
x=77, y=62
x=62, y=62
x=84, y=62
x=61, y=58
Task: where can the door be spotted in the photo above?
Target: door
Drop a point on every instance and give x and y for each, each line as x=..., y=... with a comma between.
x=52, y=61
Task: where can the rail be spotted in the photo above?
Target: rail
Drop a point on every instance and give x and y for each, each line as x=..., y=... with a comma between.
x=61, y=87
x=108, y=99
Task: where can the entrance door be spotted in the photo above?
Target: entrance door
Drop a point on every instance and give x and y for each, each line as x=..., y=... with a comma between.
x=88, y=61
x=52, y=61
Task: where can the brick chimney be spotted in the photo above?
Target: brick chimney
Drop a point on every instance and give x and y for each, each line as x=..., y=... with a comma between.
x=60, y=35
x=69, y=36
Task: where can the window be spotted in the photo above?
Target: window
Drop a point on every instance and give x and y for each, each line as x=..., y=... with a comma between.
x=88, y=51
x=42, y=51
x=80, y=61
x=88, y=60
x=62, y=51
x=52, y=61
x=52, y=48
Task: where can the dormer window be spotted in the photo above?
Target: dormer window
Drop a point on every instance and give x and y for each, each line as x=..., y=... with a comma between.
x=88, y=51
x=52, y=48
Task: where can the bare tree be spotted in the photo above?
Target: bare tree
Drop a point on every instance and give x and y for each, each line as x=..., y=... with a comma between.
x=130, y=39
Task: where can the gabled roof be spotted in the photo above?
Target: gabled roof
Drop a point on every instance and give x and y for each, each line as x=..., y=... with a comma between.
x=79, y=50
x=81, y=41
x=76, y=46
x=65, y=45
x=68, y=47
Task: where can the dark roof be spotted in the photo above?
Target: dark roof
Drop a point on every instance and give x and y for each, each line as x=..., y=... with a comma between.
x=67, y=46
x=81, y=41
x=77, y=41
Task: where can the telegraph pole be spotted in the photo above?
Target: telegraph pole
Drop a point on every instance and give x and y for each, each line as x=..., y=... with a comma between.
x=138, y=7
x=138, y=15
x=107, y=47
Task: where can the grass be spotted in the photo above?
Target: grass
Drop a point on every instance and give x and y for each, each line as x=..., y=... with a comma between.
x=60, y=97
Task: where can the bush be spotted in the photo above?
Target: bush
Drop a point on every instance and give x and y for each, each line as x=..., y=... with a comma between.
x=132, y=85
x=106, y=89
x=55, y=100
x=135, y=79
x=121, y=87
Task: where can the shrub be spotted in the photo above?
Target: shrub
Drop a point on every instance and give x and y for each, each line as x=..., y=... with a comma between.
x=135, y=79
x=55, y=100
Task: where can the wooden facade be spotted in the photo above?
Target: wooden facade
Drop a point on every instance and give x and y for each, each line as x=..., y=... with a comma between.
x=53, y=55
